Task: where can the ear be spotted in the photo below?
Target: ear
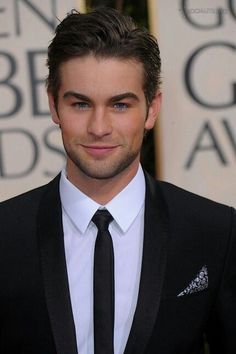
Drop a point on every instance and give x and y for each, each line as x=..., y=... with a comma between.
x=52, y=108
x=153, y=110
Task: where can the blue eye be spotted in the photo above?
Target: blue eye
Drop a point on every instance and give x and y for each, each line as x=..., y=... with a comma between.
x=81, y=105
x=120, y=106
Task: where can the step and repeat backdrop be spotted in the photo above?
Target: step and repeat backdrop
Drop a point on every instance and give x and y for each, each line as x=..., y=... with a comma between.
x=31, y=151
x=197, y=127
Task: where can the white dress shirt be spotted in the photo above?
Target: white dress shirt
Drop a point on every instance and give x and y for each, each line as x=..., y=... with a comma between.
x=127, y=209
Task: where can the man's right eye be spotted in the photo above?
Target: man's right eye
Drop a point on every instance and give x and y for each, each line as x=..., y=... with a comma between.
x=81, y=105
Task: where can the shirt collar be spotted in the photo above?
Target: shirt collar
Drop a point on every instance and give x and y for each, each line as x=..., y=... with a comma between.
x=124, y=207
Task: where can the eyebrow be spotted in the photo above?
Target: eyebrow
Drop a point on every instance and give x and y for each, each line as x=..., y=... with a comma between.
x=123, y=96
x=76, y=95
x=116, y=98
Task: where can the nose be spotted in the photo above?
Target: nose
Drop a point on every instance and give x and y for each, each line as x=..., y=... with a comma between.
x=99, y=123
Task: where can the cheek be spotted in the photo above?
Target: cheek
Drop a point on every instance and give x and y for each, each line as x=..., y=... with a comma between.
x=133, y=133
x=71, y=126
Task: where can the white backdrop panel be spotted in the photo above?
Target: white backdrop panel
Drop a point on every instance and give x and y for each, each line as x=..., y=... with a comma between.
x=31, y=151
x=197, y=127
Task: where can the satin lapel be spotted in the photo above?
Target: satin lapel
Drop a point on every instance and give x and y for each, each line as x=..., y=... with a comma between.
x=153, y=268
x=52, y=255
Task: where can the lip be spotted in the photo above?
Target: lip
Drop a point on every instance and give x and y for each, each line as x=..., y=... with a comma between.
x=99, y=150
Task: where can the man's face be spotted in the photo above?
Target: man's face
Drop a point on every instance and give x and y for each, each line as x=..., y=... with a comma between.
x=103, y=114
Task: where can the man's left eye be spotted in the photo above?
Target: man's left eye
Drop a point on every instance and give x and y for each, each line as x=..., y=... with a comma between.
x=120, y=106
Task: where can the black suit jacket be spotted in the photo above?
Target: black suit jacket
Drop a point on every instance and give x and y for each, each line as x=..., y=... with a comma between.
x=183, y=233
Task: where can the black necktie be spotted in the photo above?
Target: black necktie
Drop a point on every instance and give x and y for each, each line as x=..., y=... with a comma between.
x=103, y=285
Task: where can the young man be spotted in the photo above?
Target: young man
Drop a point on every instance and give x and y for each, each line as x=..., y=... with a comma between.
x=157, y=277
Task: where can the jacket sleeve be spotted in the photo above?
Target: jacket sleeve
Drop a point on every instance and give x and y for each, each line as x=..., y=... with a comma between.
x=221, y=329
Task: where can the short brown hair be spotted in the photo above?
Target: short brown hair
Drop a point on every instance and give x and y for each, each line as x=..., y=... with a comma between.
x=104, y=32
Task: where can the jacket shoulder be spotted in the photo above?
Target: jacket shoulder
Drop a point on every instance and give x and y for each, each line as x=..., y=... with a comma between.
x=25, y=203
x=183, y=203
x=186, y=206
x=22, y=201
x=177, y=193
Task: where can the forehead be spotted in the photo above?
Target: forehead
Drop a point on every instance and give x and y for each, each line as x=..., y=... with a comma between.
x=91, y=74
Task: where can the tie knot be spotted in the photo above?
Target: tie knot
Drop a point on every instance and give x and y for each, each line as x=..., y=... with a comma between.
x=102, y=219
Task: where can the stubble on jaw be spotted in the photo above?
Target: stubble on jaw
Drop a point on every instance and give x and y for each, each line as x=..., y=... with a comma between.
x=102, y=169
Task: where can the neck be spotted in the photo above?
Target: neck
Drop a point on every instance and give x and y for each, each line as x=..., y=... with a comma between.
x=102, y=190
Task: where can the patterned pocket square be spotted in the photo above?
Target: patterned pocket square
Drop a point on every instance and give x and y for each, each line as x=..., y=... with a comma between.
x=198, y=284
